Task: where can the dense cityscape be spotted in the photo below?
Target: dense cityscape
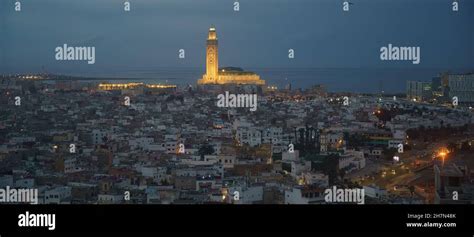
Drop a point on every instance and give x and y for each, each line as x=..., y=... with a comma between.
x=103, y=142
x=228, y=116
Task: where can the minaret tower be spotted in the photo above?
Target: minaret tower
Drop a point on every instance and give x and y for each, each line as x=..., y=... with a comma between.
x=230, y=75
x=212, y=60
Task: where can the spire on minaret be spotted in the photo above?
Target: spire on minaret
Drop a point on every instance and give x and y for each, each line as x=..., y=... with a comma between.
x=212, y=33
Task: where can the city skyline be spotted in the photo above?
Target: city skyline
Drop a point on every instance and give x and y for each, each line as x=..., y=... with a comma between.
x=113, y=111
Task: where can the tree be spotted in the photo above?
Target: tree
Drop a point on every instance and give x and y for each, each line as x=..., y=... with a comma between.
x=306, y=140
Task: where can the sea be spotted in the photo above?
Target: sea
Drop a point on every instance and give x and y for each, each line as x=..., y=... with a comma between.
x=356, y=80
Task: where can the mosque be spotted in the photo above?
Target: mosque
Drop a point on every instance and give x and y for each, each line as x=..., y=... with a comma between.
x=224, y=76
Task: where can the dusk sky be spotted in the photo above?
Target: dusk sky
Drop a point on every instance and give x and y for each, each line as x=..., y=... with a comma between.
x=150, y=35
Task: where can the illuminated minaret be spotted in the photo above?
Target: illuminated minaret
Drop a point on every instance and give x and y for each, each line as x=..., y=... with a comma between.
x=229, y=75
x=212, y=60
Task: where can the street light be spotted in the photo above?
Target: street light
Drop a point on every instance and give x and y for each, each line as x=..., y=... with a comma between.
x=443, y=152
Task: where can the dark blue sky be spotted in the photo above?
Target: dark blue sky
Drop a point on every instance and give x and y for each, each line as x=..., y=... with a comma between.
x=260, y=35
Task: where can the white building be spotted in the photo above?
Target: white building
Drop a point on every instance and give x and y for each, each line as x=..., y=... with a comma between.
x=290, y=156
x=304, y=195
x=374, y=192
x=246, y=195
x=272, y=135
x=249, y=136
x=299, y=167
x=315, y=178
x=393, y=143
x=25, y=183
x=140, y=143
x=109, y=199
x=71, y=165
x=352, y=160
x=57, y=195
x=228, y=161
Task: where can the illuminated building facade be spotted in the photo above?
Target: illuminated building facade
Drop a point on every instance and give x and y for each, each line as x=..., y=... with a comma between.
x=229, y=75
x=124, y=86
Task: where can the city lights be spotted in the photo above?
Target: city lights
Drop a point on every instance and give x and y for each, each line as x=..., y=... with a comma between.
x=123, y=86
x=443, y=152
x=206, y=111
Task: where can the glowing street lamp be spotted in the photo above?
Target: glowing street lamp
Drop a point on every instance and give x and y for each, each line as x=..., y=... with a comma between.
x=443, y=153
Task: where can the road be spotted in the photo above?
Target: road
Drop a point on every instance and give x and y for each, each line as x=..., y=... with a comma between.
x=396, y=177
